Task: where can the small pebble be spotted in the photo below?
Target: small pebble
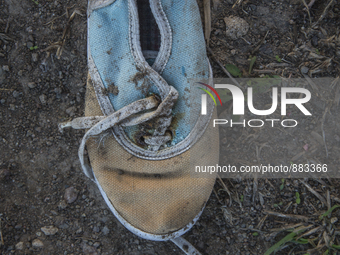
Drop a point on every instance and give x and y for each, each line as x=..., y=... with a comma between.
x=236, y=27
x=62, y=205
x=16, y=93
x=304, y=69
x=49, y=230
x=71, y=111
x=70, y=195
x=96, y=244
x=105, y=230
x=29, y=44
x=34, y=57
x=5, y=68
x=31, y=85
x=43, y=98
x=37, y=243
x=19, y=246
x=88, y=250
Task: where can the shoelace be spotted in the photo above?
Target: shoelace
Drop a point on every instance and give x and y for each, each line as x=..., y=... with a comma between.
x=130, y=115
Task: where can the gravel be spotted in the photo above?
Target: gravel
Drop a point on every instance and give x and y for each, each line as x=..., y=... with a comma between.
x=19, y=246
x=70, y=195
x=36, y=243
x=49, y=230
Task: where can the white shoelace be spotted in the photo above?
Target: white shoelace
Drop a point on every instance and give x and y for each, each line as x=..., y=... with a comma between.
x=129, y=115
x=185, y=246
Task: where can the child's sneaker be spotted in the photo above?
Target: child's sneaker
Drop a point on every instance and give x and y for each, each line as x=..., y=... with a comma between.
x=139, y=111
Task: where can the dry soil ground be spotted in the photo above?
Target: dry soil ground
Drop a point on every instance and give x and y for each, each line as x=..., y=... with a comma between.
x=41, y=183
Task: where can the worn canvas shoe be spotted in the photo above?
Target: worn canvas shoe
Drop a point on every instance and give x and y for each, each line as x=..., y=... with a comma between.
x=142, y=121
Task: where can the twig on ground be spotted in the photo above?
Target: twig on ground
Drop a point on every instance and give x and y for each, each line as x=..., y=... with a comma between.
x=1, y=236
x=238, y=2
x=328, y=196
x=260, y=224
x=218, y=198
x=336, y=199
x=225, y=188
x=310, y=232
x=255, y=185
x=311, y=4
x=323, y=15
x=260, y=43
x=321, y=198
x=286, y=228
x=307, y=8
x=288, y=206
x=7, y=25
x=5, y=38
x=288, y=216
x=323, y=131
x=264, y=71
x=55, y=18
x=207, y=20
x=60, y=44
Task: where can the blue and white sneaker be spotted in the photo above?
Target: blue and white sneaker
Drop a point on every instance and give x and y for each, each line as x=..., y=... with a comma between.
x=143, y=57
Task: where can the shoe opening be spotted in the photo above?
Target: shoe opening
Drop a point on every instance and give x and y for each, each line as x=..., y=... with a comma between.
x=150, y=37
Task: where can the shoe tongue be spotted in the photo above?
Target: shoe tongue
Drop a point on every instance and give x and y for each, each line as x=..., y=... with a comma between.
x=150, y=37
x=150, y=61
x=150, y=56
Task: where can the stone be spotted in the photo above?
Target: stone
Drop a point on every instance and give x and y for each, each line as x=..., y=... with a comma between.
x=70, y=195
x=36, y=243
x=29, y=45
x=88, y=250
x=34, y=57
x=71, y=111
x=304, y=69
x=236, y=27
x=31, y=85
x=43, y=98
x=19, y=246
x=49, y=230
x=16, y=93
x=105, y=230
